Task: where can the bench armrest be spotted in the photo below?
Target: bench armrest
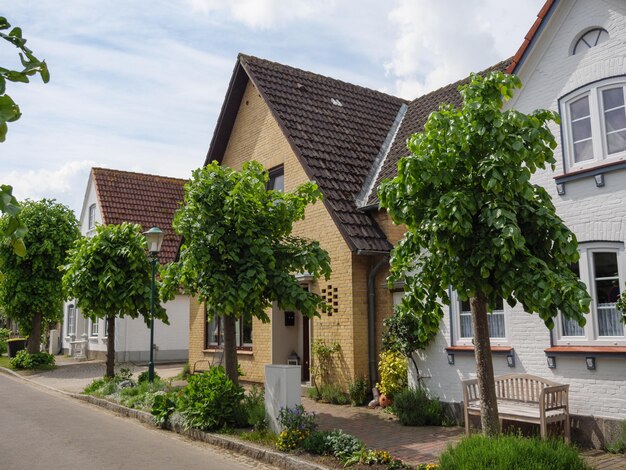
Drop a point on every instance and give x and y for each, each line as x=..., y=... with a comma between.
x=470, y=390
x=554, y=397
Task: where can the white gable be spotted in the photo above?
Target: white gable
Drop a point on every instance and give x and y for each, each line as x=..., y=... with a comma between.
x=90, y=200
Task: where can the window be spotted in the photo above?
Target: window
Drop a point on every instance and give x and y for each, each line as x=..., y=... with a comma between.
x=95, y=325
x=277, y=179
x=214, y=335
x=71, y=320
x=106, y=327
x=594, y=124
x=92, y=216
x=495, y=320
x=601, y=268
x=590, y=39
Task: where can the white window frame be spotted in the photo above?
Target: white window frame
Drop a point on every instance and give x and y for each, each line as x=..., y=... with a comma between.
x=591, y=334
x=94, y=329
x=241, y=345
x=598, y=137
x=72, y=316
x=455, y=305
x=91, y=223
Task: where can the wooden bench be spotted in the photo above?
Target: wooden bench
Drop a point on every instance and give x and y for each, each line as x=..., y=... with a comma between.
x=525, y=398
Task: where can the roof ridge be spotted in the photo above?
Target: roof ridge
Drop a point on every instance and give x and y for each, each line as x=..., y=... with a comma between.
x=247, y=57
x=137, y=173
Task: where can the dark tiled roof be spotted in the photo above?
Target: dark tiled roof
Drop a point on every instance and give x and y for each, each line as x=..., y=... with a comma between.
x=147, y=200
x=414, y=120
x=337, y=130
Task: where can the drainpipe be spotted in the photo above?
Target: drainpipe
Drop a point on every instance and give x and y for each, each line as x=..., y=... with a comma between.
x=371, y=317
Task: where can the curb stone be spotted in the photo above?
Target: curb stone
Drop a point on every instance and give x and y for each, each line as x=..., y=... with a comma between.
x=262, y=454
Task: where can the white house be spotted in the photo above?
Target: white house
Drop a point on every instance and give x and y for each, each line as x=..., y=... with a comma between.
x=113, y=197
x=572, y=61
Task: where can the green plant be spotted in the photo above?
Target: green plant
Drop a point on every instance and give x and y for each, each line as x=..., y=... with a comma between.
x=163, y=406
x=369, y=457
x=24, y=360
x=393, y=373
x=313, y=394
x=290, y=439
x=617, y=444
x=479, y=452
x=210, y=400
x=332, y=393
x=265, y=437
x=323, y=354
x=141, y=395
x=125, y=373
x=143, y=377
x=315, y=443
x=343, y=445
x=4, y=337
x=253, y=404
x=414, y=407
x=358, y=391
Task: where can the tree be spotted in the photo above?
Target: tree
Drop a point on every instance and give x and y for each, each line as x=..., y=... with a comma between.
x=238, y=254
x=476, y=223
x=30, y=291
x=109, y=275
x=9, y=112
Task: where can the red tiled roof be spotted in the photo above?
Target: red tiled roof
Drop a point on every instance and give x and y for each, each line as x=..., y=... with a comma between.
x=336, y=129
x=147, y=200
x=541, y=16
x=414, y=120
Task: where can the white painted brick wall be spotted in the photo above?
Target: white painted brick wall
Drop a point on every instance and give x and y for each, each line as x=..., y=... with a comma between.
x=592, y=213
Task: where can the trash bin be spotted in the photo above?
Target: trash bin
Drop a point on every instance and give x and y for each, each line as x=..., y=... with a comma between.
x=15, y=345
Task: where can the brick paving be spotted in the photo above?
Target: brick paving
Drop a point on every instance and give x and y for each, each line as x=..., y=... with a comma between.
x=603, y=461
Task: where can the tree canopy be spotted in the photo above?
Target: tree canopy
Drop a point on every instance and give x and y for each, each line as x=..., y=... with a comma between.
x=238, y=254
x=31, y=290
x=109, y=276
x=474, y=219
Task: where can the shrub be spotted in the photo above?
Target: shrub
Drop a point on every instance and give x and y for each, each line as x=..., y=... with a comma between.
x=414, y=407
x=332, y=393
x=253, y=405
x=4, y=337
x=96, y=385
x=393, y=373
x=162, y=408
x=24, y=360
x=513, y=453
x=210, y=401
x=315, y=443
x=143, y=377
x=313, y=394
x=141, y=395
x=289, y=439
x=296, y=418
x=358, y=391
x=369, y=457
x=343, y=445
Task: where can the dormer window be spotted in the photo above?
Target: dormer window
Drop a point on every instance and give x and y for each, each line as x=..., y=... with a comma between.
x=590, y=39
x=594, y=124
x=92, y=216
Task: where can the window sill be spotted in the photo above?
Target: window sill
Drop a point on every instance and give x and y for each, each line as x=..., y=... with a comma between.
x=240, y=352
x=591, y=171
x=618, y=350
x=470, y=349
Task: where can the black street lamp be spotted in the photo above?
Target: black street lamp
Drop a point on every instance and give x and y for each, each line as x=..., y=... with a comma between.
x=154, y=237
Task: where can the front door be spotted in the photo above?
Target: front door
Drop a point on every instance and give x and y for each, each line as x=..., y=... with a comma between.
x=306, y=361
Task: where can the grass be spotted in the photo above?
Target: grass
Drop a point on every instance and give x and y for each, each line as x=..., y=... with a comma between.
x=4, y=362
x=266, y=438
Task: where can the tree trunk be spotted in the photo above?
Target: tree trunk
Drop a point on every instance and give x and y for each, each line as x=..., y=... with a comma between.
x=34, y=339
x=230, y=348
x=110, y=346
x=484, y=366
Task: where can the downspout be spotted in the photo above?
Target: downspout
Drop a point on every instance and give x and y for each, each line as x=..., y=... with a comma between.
x=371, y=317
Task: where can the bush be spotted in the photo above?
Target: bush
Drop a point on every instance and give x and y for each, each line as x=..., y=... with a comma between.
x=358, y=391
x=414, y=407
x=369, y=457
x=393, y=373
x=343, y=445
x=163, y=406
x=24, y=360
x=332, y=393
x=296, y=418
x=141, y=395
x=315, y=443
x=210, y=401
x=313, y=394
x=143, y=377
x=253, y=405
x=513, y=453
x=4, y=337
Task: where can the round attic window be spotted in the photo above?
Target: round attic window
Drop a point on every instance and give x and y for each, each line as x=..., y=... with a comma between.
x=590, y=39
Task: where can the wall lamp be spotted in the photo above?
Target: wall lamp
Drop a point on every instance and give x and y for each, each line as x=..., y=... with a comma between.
x=560, y=189
x=451, y=359
x=510, y=359
x=591, y=362
x=599, y=180
x=551, y=362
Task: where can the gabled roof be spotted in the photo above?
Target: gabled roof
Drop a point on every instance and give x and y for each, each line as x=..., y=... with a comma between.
x=336, y=130
x=414, y=120
x=147, y=200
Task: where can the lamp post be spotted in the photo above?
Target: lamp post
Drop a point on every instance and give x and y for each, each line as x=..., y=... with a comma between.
x=154, y=237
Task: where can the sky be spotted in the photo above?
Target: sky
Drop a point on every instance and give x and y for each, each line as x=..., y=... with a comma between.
x=138, y=85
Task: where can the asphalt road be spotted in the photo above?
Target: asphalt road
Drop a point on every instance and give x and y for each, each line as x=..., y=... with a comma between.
x=40, y=429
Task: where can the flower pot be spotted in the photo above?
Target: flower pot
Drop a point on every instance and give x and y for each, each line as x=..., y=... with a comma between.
x=384, y=401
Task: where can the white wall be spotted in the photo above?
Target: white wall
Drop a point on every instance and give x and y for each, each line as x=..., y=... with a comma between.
x=593, y=213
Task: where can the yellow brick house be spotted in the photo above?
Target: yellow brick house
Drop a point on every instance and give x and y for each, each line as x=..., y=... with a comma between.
x=306, y=127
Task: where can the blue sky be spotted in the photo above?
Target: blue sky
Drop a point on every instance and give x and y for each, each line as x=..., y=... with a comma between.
x=138, y=85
